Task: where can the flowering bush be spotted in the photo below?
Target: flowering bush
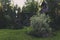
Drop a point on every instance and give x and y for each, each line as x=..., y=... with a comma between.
x=40, y=25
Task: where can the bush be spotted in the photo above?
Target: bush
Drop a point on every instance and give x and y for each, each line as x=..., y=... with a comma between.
x=40, y=25
x=9, y=23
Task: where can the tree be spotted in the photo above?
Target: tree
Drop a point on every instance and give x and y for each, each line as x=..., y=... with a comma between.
x=30, y=9
x=18, y=17
x=53, y=12
x=7, y=12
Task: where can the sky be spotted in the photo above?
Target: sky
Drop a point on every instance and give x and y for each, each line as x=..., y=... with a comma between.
x=20, y=3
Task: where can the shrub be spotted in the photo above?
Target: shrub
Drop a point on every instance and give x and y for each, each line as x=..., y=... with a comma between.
x=40, y=25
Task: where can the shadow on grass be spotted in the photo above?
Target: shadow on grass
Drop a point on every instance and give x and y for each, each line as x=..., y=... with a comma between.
x=41, y=35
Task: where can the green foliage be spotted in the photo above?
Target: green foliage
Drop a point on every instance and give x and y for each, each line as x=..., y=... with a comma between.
x=40, y=24
x=7, y=17
x=41, y=19
x=31, y=7
x=54, y=7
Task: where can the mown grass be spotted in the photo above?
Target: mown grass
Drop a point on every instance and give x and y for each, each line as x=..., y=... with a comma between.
x=9, y=34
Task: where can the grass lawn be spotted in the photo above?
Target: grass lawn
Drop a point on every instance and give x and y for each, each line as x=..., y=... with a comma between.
x=9, y=34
